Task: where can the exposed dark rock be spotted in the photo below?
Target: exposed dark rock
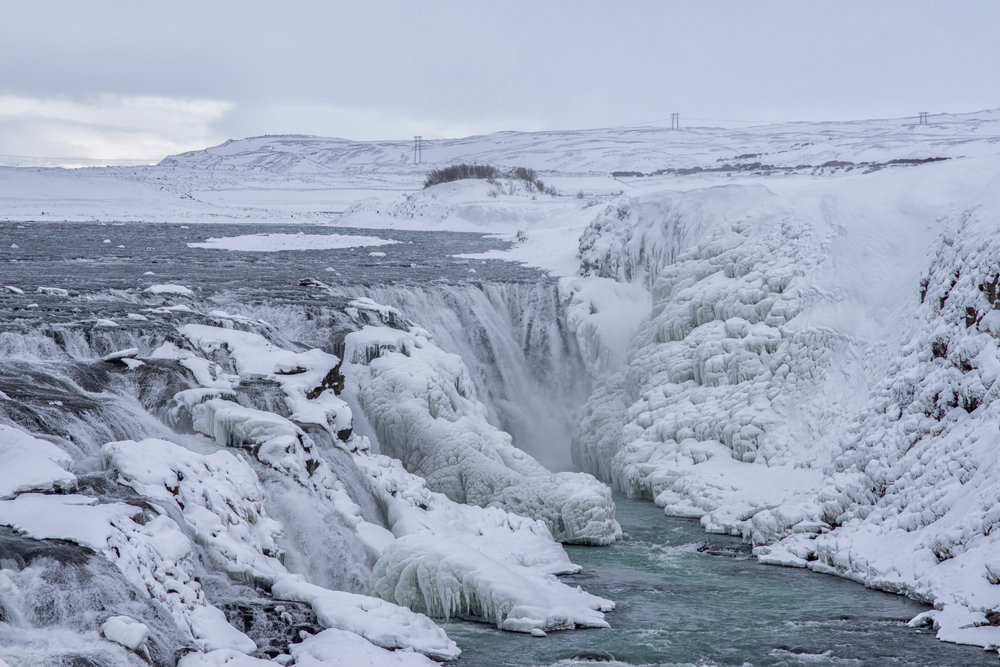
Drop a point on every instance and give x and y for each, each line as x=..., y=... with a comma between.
x=272, y=624
x=726, y=549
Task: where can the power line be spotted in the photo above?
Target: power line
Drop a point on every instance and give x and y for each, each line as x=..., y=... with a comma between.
x=733, y=120
x=922, y=119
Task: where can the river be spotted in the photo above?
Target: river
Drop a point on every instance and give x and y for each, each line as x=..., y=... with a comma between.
x=687, y=597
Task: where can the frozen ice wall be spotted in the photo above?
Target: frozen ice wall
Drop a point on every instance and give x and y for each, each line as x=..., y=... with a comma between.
x=913, y=502
x=633, y=238
x=817, y=373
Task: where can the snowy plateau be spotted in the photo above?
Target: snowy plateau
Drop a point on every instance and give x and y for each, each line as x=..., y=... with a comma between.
x=789, y=333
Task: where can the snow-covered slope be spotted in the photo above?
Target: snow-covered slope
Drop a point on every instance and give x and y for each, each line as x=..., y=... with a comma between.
x=314, y=179
x=631, y=149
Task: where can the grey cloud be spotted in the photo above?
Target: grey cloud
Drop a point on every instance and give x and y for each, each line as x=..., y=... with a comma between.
x=511, y=65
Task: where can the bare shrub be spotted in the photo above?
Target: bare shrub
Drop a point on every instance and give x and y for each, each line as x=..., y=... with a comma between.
x=459, y=172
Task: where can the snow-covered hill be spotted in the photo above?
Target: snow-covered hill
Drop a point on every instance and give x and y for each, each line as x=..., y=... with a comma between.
x=313, y=179
x=633, y=149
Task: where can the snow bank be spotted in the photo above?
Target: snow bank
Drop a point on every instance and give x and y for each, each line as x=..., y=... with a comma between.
x=218, y=496
x=310, y=379
x=31, y=464
x=330, y=647
x=222, y=502
x=465, y=205
x=335, y=647
x=151, y=551
x=421, y=403
x=222, y=658
x=381, y=623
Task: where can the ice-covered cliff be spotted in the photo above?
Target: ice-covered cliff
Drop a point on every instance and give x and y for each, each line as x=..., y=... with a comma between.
x=817, y=374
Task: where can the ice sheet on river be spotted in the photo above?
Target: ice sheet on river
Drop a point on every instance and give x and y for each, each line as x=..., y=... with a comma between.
x=285, y=242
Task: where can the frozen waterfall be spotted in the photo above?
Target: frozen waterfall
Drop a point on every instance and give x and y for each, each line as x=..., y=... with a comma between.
x=191, y=452
x=523, y=359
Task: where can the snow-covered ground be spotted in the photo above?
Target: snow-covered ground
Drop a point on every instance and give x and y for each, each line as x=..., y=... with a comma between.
x=789, y=332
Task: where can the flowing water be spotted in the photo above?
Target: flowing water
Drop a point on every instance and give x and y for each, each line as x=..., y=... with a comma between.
x=683, y=596
x=686, y=597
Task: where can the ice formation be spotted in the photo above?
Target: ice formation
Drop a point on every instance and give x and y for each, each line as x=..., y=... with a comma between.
x=422, y=404
x=222, y=501
x=518, y=547
x=205, y=505
x=454, y=560
x=447, y=578
x=774, y=392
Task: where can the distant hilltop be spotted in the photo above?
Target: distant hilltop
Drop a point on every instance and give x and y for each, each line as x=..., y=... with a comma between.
x=638, y=149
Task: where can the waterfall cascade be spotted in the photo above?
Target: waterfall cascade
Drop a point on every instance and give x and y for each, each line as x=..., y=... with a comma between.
x=523, y=360
x=230, y=442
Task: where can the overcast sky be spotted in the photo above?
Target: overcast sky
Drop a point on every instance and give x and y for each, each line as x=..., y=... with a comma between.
x=141, y=79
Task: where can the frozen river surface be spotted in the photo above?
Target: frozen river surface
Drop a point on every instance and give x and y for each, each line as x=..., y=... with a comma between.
x=92, y=257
